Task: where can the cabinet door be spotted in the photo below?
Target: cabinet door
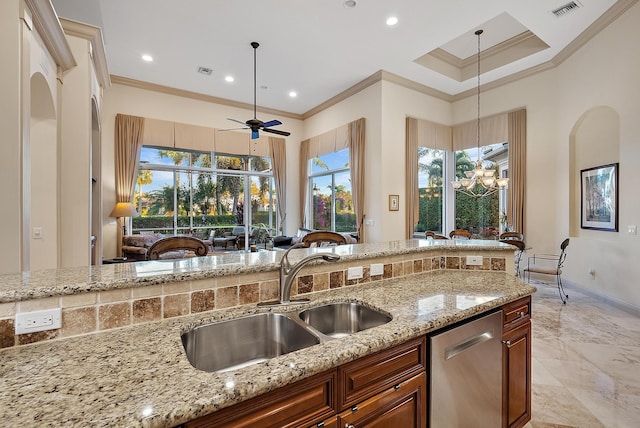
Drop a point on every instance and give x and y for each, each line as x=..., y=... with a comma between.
x=403, y=405
x=304, y=403
x=516, y=357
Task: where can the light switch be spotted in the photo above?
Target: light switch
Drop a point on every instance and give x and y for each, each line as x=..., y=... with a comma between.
x=633, y=229
x=36, y=233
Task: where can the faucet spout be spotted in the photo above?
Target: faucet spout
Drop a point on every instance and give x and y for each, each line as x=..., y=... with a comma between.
x=288, y=272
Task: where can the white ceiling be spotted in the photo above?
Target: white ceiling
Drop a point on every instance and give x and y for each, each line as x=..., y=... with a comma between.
x=317, y=48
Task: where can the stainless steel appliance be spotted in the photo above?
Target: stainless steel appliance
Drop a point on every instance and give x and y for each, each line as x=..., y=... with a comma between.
x=466, y=375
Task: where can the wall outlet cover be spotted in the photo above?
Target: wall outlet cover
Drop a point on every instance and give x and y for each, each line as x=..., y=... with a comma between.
x=354, y=273
x=31, y=322
x=377, y=269
x=474, y=260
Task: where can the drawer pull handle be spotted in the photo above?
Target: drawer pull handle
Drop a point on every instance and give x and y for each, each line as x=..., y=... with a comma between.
x=354, y=409
x=348, y=426
x=396, y=387
x=507, y=342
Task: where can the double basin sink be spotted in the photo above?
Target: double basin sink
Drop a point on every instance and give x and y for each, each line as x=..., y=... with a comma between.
x=240, y=342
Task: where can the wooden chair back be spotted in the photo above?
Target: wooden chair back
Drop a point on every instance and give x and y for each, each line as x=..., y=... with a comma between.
x=511, y=235
x=323, y=237
x=434, y=235
x=176, y=243
x=460, y=234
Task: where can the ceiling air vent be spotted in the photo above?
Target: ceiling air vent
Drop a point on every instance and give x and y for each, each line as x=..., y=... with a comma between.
x=205, y=70
x=569, y=7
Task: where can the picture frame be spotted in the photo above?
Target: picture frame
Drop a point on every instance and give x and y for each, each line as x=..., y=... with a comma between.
x=394, y=202
x=599, y=198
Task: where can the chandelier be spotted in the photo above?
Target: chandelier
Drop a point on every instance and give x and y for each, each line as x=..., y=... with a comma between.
x=479, y=182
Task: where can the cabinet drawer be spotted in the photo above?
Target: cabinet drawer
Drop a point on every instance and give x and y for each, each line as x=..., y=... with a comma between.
x=370, y=375
x=516, y=313
x=304, y=403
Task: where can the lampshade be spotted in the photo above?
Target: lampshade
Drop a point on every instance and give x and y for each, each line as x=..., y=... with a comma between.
x=124, y=209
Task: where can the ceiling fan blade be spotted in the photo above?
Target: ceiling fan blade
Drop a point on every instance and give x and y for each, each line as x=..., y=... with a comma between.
x=237, y=121
x=271, y=123
x=276, y=131
x=233, y=129
x=254, y=135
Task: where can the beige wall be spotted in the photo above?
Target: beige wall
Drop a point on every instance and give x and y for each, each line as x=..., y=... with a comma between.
x=10, y=172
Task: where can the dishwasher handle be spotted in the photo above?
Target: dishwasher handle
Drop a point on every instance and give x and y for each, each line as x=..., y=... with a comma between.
x=467, y=344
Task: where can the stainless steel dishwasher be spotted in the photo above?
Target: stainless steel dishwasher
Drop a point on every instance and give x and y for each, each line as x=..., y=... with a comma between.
x=466, y=375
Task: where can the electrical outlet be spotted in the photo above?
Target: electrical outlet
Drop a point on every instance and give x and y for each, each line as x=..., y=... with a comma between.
x=368, y=222
x=354, y=273
x=377, y=269
x=633, y=229
x=474, y=260
x=31, y=322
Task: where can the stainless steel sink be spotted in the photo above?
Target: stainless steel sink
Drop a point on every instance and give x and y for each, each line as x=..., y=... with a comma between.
x=236, y=343
x=341, y=319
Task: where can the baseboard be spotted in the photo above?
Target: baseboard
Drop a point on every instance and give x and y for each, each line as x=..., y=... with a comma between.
x=624, y=306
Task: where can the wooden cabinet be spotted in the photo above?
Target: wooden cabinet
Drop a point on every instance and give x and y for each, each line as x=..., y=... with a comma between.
x=402, y=405
x=516, y=360
x=304, y=403
x=365, y=377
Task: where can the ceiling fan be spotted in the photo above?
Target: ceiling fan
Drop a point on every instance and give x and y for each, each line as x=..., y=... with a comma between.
x=255, y=124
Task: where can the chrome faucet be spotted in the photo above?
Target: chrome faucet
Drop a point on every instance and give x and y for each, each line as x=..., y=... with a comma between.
x=288, y=273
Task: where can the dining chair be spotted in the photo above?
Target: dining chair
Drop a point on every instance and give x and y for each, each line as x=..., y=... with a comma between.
x=171, y=247
x=323, y=238
x=460, y=234
x=517, y=240
x=549, y=264
x=434, y=235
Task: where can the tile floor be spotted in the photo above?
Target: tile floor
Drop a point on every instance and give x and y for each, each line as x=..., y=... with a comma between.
x=585, y=363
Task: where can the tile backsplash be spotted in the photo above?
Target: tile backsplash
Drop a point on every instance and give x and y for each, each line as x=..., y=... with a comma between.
x=92, y=312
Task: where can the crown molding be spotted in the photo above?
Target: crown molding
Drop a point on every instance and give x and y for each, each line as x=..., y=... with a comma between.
x=613, y=13
x=94, y=36
x=48, y=27
x=139, y=84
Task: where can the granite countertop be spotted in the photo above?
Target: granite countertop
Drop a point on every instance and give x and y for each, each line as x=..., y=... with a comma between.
x=67, y=281
x=140, y=376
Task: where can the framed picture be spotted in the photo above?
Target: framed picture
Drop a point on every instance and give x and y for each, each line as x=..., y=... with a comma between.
x=394, y=202
x=599, y=198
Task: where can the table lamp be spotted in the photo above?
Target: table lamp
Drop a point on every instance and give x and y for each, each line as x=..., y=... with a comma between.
x=122, y=210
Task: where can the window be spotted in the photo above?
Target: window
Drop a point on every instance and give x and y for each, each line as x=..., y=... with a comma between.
x=431, y=164
x=179, y=191
x=330, y=193
x=481, y=216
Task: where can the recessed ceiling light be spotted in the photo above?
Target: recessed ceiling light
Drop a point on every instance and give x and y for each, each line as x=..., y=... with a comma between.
x=293, y=94
x=350, y=3
x=229, y=79
x=392, y=20
x=147, y=57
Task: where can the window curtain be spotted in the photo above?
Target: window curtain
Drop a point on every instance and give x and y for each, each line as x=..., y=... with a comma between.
x=411, y=174
x=493, y=129
x=278, y=154
x=303, y=178
x=128, y=144
x=356, y=132
x=517, y=169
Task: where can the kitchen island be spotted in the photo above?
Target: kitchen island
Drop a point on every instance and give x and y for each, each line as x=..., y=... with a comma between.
x=138, y=375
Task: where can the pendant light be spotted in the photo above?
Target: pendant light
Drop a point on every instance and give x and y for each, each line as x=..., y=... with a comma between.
x=479, y=182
